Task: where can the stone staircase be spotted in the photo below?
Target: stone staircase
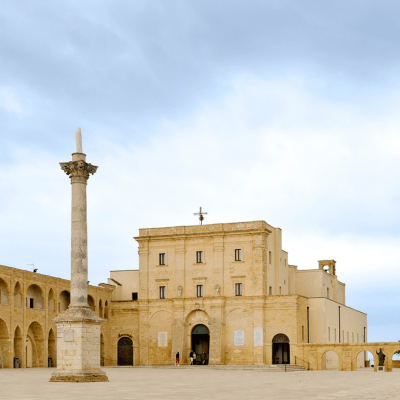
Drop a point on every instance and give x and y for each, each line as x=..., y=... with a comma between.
x=261, y=368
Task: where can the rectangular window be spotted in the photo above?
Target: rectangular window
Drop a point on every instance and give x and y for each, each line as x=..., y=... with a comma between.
x=162, y=259
x=238, y=255
x=238, y=289
x=199, y=290
x=162, y=292
x=199, y=257
x=270, y=257
x=280, y=289
x=329, y=334
x=352, y=337
x=270, y=291
x=134, y=296
x=30, y=303
x=302, y=332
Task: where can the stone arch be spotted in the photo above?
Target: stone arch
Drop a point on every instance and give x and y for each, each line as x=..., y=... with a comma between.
x=125, y=351
x=102, y=348
x=17, y=295
x=51, y=304
x=4, y=345
x=330, y=360
x=52, y=347
x=100, y=309
x=35, y=349
x=106, y=310
x=34, y=297
x=280, y=349
x=18, y=345
x=160, y=338
x=91, y=303
x=362, y=357
x=3, y=292
x=64, y=301
x=198, y=314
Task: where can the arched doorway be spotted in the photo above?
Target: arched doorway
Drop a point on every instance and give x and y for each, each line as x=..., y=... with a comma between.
x=18, y=351
x=125, y=351
x=35, y=346
x=201, y=343
x=52, y=348
x=4, y=345
x=280, y=349
x=101, y=350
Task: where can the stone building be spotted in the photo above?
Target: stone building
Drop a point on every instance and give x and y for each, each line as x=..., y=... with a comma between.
x=28, y=304
x=228, y=291
x=225, y=290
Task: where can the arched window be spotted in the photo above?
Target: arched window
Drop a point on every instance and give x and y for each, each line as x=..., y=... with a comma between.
x=106, y=309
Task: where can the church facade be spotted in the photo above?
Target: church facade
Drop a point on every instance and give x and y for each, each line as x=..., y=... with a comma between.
x=227, y=292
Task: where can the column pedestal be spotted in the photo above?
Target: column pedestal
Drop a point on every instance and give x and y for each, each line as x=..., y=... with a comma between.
x=78, y=347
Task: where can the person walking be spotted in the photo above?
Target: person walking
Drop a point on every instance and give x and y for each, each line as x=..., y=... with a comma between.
x=194, y=358
x=191, y=357
x=203, y=358
x=177, y=359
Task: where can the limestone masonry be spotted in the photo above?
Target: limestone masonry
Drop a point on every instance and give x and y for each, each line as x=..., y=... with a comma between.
x=225, y=291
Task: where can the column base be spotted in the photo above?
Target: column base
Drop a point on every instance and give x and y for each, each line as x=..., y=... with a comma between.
x=79, y=376
x=78, y=347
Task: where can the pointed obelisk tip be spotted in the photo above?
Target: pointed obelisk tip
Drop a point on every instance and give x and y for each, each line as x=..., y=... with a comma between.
x=78, y=138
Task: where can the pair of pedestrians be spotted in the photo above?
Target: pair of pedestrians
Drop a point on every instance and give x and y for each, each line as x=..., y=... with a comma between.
x=192, y=358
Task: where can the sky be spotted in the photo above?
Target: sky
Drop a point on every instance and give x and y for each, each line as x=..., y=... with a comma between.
x=283, y=111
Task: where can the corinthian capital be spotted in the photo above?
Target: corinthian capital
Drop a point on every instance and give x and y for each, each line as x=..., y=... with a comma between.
x=78, y=171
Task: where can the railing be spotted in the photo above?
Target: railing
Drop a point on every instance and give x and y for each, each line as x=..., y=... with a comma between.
x=306, y=363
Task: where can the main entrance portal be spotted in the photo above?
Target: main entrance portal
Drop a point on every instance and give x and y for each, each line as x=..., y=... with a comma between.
x=125, y=351
x=280, y=349
x=201, y=344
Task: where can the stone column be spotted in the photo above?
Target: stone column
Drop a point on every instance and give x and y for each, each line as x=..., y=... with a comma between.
x=78, y=328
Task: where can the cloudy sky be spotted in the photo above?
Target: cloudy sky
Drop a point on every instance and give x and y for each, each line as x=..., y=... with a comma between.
x=283, y=111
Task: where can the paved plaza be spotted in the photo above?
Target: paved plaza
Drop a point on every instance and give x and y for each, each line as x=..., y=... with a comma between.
x=203, y=383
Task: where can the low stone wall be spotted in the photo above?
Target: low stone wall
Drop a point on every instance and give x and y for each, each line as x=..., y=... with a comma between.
x=396, y=363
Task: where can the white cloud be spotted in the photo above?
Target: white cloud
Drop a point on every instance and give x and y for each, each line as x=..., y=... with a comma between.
x=275, y=151
x=9, y=101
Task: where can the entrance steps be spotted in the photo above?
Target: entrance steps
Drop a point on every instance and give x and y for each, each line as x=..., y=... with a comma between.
x=261, y=368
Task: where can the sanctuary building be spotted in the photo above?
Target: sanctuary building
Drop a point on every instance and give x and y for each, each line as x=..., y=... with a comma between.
x=225, y=291
x=228, y=291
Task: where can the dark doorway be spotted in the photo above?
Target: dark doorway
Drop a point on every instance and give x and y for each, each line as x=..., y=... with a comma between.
x=280, y=349
x=125, y=351
x=201, y=344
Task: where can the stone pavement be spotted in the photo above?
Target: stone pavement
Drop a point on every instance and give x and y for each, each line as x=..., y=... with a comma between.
x=203, y=383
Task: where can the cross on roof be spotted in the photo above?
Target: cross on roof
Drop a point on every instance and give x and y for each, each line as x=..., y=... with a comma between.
x=201, y=218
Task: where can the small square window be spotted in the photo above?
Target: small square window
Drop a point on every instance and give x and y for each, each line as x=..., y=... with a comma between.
x=162, y=292
x=199, y=257
x=238, y=289
x=162, y=258
x=134, y=296
x=199, y=290
x=238, y=255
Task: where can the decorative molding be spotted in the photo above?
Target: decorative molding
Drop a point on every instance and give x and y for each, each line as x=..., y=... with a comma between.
x=78, y=171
